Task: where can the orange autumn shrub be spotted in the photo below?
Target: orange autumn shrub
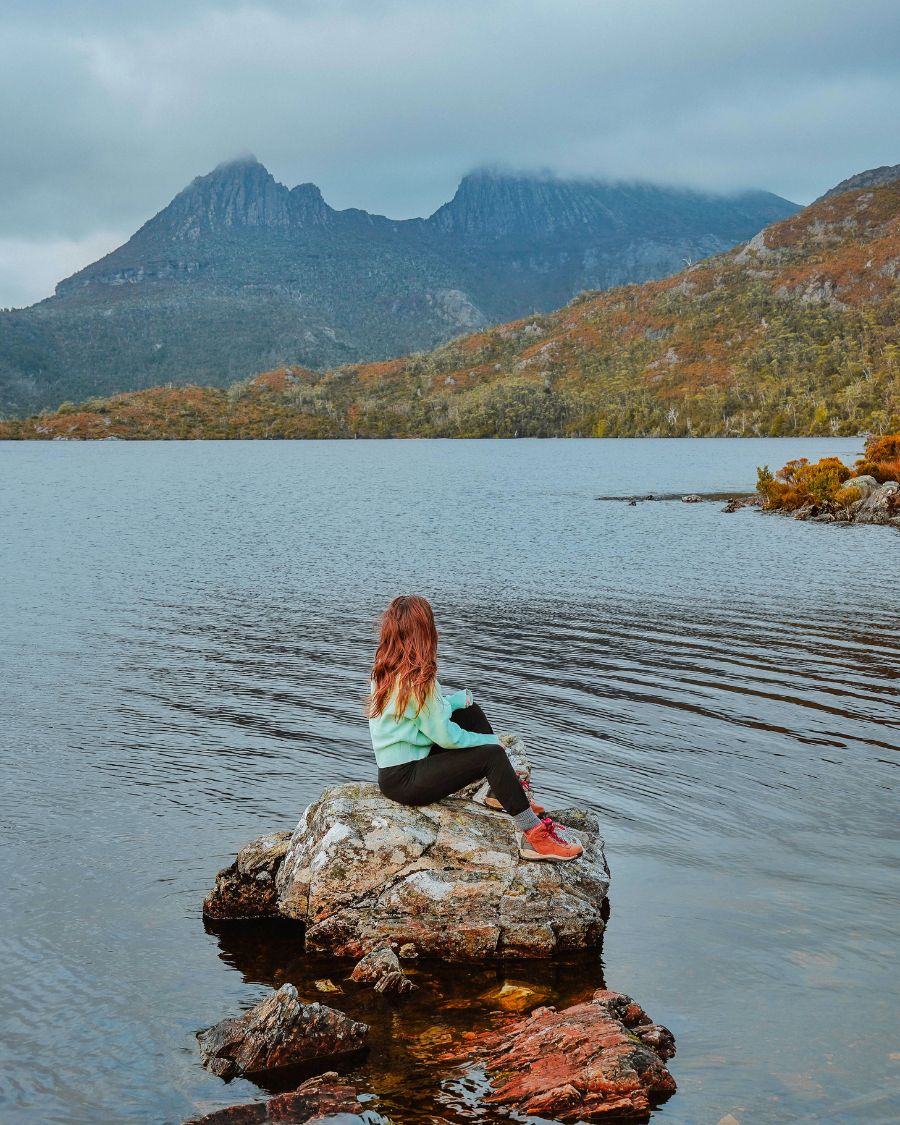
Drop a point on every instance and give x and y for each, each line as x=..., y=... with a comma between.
x=799, y=483
x=881, y=459
x=822, y=483
x=846, y=495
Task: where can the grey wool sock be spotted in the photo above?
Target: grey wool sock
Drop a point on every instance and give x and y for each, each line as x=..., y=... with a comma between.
x=526, y=820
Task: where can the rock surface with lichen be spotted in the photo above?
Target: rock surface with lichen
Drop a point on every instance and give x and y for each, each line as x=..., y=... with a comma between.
x=246, y=888
x=280, y=1031
x=447, y=878
x=442, y=880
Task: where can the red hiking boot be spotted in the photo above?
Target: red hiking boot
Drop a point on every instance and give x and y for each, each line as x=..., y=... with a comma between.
x=545, y=842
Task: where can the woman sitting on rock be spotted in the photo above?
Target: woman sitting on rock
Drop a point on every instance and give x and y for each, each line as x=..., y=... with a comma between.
x=428, y=745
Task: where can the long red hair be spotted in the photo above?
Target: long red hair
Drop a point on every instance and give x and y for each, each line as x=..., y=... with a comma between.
x=406, y=657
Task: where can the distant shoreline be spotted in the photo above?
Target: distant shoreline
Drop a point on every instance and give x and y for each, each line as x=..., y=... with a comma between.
x=31, y=437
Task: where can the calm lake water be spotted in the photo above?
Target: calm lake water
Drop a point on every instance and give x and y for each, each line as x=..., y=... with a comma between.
x=186, y=635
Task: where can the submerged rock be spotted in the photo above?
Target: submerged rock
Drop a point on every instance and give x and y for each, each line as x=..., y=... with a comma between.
x=394, y=984
x=513, y=996
x=362, y=871
x=316, y=1099
x=382, y=968
x=246, y=889
x=587, y=1062
x=278, y=1032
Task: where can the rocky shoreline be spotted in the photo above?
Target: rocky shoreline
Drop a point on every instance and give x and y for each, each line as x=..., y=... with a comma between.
x=875, y=503
x=397, y=888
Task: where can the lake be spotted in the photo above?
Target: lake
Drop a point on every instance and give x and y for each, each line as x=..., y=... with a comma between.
x=187, y=633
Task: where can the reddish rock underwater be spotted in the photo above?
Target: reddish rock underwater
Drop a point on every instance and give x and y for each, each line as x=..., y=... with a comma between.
x=605, y=1058
x=317, y=1098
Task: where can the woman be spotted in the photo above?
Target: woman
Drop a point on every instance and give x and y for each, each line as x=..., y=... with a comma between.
x=428, y=745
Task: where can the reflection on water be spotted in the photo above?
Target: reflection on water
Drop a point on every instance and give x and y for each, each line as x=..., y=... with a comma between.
x=187, y=631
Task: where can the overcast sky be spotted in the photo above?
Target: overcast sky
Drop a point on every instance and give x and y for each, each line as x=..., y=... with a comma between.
x=109, y=107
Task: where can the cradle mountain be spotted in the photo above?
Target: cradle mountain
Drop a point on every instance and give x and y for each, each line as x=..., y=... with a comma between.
x=239, y=273
x=794, y=332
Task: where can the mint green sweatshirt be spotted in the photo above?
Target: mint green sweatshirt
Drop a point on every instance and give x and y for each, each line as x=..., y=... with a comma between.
x=409, y=738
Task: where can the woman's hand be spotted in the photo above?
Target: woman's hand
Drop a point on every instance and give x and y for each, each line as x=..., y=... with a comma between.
x=470, y=699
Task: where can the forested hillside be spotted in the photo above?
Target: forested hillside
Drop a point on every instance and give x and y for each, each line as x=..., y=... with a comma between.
x=793, y=333
x=239, y=273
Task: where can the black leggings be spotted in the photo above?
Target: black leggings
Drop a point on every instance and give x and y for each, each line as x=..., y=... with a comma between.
x=445, y=771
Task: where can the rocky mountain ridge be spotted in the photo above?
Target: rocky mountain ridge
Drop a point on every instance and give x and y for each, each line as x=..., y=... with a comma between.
x=871, y=178
x=795, y=332
x=239, y=273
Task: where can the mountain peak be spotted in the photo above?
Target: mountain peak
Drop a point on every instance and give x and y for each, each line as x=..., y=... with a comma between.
x=236, y=163
x=873, y=177
x=495, y=202
x=239, y=193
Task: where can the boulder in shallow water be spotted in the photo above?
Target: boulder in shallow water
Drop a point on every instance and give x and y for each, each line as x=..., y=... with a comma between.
x=382, y=968
x=246, y=889
x=881, y=505
x=375, y=965
x=362, y=871
x=278, y=1032
x=602, y=1059
x=394, y=984
x=317, y=1099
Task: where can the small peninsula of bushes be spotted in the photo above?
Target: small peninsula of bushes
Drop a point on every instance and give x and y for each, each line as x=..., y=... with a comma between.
x=830, y=490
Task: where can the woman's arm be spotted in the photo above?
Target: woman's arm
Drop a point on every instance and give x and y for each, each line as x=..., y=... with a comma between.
x=457, y=699
x=435, y=723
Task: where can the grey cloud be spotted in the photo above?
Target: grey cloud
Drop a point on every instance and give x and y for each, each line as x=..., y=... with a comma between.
x=111, y=108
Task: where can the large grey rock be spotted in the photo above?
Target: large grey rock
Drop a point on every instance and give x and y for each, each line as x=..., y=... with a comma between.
x=882, y=505
x=446, y=880
x=362, y=871
x=864, y=485
x=280, y=1031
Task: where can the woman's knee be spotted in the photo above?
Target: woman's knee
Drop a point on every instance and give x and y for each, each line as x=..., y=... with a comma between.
x=494, y=754
x=472, y=718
